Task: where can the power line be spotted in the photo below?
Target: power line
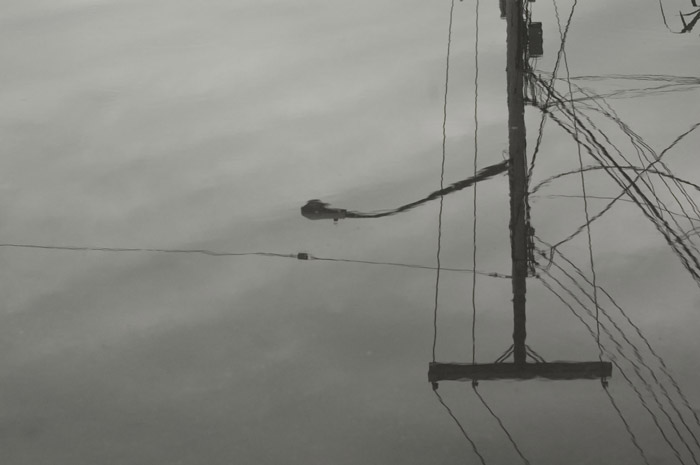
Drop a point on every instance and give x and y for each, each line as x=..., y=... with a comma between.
x=613, y=359
x=442, y=178
x=633, y=437
x=640, y=145
x=461, y=428
x=638, y=356
x=214, y=253
x=601, y=197
x=642, y=149
x=650, y=211
x=564, y=34
x=634, y=365
x=636, y=169
x=476, y=156
x=585, y=208
x=211, y=253
x=641, y=335
x=500, y=423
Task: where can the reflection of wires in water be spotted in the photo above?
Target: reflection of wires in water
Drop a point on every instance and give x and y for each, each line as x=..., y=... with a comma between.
x=405, y=265
x=639, y=144
x=476, y=157
x=640, y=172
x=636, y=169
x=213, y=253
x=619, y=350
x=442, y=177
x=461, y=428
x=615, y=362
x=563, y=34
x=687, y=25
x=500, y=423
x=686, y=252
x=633, y=437
x=599, y=197
x=638, y=356
x=641, y=335
x=585, y=207
x=670, y=84
x=643, y=149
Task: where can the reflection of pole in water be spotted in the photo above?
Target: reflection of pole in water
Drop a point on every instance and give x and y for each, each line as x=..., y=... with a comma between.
x=518, y=171
x=519, y=226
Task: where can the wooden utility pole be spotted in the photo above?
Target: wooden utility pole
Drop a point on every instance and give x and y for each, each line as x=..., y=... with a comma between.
x=517, y=173
x=520, y=369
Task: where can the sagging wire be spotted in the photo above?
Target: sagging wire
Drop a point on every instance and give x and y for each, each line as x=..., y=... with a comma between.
x=461, y=428
x=635, y=366
x=631, y=434
x=585, y=208
x=672, y=237
x=476, y=157
x=214, y=253
x=622, y=372
x=641, y=335
x=442, y=179
x=564, y=34
x=500, y=423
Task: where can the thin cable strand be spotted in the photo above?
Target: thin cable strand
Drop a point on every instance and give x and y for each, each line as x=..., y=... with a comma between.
x=503, y=427
x=461, y=428
x=476, y=156
x=442, y=180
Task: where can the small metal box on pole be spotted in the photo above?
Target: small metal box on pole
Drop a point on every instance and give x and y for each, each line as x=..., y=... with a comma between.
x=535, y=48
x=517, y=28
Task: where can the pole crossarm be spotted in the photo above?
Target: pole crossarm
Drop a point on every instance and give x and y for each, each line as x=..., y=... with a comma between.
x=439, y=371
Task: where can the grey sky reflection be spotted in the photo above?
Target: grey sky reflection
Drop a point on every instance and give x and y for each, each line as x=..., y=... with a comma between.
x=160, y=124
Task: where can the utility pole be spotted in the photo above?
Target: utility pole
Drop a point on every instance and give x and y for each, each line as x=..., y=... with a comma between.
x=517, y=38
x=517, y=173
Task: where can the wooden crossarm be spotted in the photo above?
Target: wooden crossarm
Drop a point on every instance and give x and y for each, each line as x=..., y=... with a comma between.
x=493, y=371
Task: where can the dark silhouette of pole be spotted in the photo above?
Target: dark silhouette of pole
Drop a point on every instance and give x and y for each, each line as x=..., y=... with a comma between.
x=517, y=39
x=517, y=172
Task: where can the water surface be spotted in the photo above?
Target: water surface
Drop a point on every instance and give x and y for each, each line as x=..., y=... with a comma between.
x=207, y=125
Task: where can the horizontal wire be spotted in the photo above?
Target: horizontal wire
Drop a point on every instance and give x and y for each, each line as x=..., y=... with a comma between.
x=213, y=253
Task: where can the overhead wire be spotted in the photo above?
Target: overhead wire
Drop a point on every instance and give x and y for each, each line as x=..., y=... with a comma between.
x=684, y=252
x=682, y=249
x=622, y=372
x=211, y=253
x=564, y=34
x=442, y=179
x=468, y=438
x=633, y=437
x=637, y=169
x=642, y=148
x=635, y=366
x=215, y=253
x=640, y=172
x=585, y=209
x=476, y=157
x=500, y=423
x=641, y=335
x=638, y=356
x=602, y=197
